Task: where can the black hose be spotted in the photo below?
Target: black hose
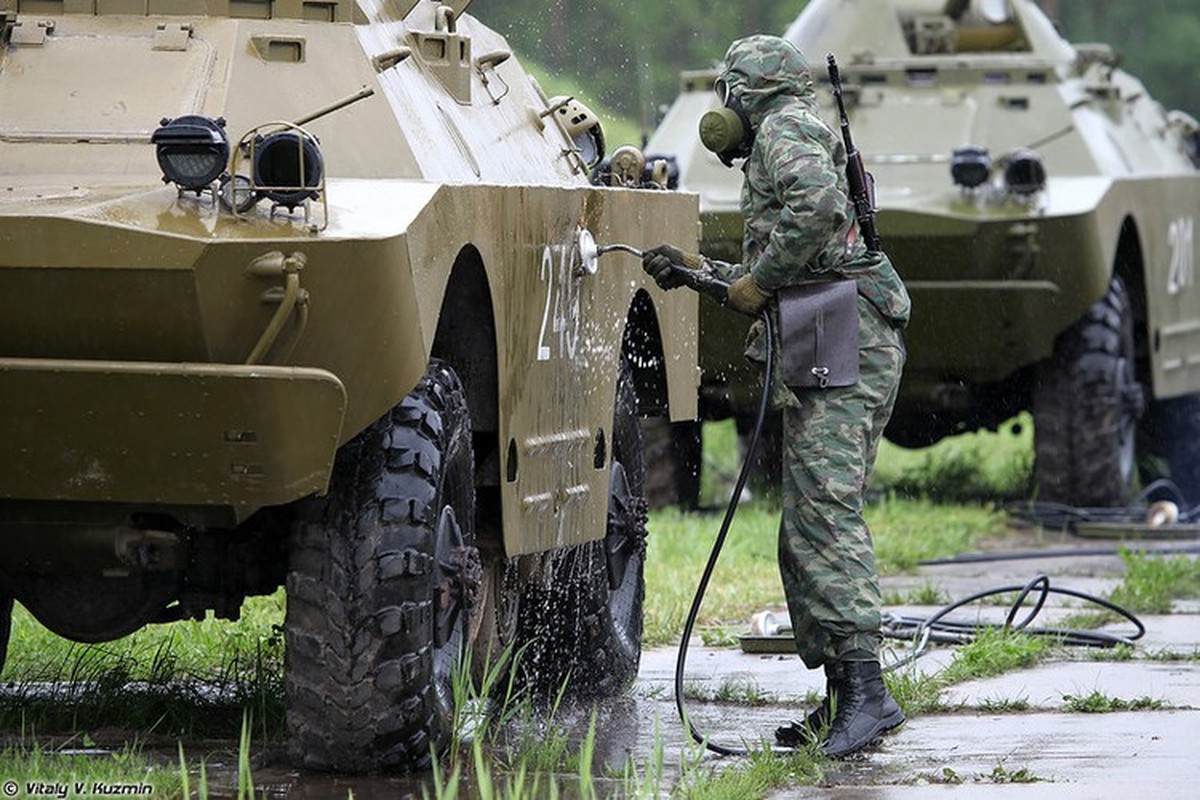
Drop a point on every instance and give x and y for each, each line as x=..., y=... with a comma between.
x=1059, y=516
x=935, y=628
x=743, y=476
x=1061, y=552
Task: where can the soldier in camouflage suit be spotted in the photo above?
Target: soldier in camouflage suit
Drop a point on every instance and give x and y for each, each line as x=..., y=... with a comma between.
x=800, y=226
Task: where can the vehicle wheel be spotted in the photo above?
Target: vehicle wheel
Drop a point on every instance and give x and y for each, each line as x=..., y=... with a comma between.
x=1086, y=407
x=494, y=620
x=97, y=608
x=581, y=620
x=383, y=572
x=1171, y=443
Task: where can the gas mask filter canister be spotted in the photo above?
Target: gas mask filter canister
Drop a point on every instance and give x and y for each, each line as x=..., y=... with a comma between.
x=726, y=130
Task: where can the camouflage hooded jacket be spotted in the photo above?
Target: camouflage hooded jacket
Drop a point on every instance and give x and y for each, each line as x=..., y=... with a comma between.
x=795, y=197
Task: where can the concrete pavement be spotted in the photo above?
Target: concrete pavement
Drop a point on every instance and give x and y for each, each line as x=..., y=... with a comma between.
x=1042, y=750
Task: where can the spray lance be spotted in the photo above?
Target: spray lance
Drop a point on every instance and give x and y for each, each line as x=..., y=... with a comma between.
x=698, y=277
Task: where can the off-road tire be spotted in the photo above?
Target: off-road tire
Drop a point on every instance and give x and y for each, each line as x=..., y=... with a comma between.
x=572, y=626
x=1086, y=406
x=368, y=681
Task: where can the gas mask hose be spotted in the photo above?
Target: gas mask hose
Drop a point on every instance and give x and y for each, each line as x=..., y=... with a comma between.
x=743, y=476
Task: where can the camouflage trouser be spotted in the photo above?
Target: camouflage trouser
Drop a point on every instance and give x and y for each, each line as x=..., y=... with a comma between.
x=826, y=557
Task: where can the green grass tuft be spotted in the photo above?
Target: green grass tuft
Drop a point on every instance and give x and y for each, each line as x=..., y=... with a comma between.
x=1152, y=582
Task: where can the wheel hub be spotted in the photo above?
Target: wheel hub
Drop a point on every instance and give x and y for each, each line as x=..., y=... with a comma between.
x=626, y=536
x=458, y=574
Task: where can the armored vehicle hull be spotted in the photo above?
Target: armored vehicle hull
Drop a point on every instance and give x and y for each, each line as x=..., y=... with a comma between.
x=1040, y=206
x=355, y=351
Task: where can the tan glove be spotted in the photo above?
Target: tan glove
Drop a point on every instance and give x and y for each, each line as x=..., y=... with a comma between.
x=746, y=296
x=664, y=263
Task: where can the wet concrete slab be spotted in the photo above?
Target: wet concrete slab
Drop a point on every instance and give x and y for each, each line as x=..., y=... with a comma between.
x=964, y=752
x=1118, y=755
x=1177, y=633
x=967, y=750
x=1041, y=751
x=1049, y=686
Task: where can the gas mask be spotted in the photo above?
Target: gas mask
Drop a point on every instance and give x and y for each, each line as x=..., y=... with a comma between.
x=726, y=130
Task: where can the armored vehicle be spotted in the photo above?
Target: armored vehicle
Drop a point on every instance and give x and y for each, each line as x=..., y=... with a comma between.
x=292, y=294
x=1040, y=206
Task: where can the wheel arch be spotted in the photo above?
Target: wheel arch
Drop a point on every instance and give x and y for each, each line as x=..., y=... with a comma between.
x=1129, y=264
x=466, y=335
x=466, y=340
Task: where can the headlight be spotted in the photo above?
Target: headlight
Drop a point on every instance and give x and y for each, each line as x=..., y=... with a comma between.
x=192, y=150
x=970, y=166
x=1024, y=172
x=288, y=167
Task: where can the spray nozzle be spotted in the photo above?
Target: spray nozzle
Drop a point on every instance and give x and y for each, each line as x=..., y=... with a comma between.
x=695, y=276
x=590, y=252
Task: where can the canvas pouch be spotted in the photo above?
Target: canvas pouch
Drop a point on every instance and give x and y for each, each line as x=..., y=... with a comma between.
x=818, y=330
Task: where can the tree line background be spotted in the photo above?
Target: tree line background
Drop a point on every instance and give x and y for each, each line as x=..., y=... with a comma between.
x=627, y=54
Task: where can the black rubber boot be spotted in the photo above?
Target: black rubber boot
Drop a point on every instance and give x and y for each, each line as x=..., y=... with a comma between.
x=862, y=710
x=798, y=733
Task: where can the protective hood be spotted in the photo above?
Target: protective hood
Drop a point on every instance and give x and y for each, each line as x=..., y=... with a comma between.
x=766, y=73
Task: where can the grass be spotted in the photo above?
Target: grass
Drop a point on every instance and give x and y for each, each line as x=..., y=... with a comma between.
x=1151, y=582
x=193, y=647
x=732, y=691
x=185, y=679
x=764, y=773
x=1004, y=705
x=924, y=595
x=994, y=651
x=1002, y=774
x=907, y=532
x=30, y=769
x=548, y=759
x=746, y=578
x=999, y=774
x=964, y=468
x=1099, y=703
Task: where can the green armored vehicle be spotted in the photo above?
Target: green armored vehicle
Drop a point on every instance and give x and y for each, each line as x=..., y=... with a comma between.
x=295, y=294
x=1041, y=207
